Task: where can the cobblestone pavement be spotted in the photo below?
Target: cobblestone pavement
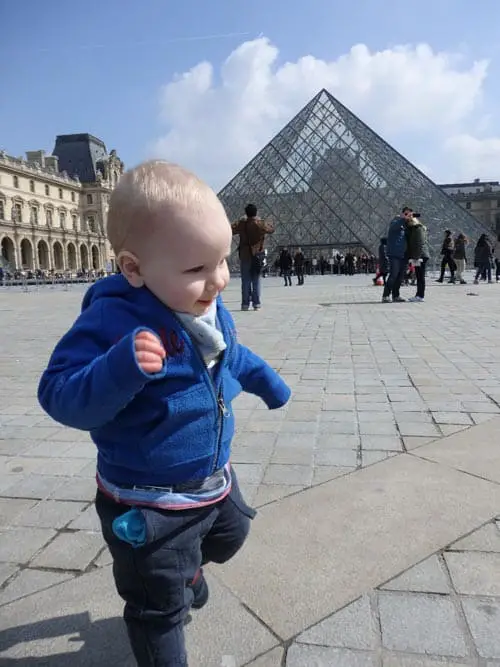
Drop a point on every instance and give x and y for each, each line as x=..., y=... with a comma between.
x=446, y=608
x=370, y=381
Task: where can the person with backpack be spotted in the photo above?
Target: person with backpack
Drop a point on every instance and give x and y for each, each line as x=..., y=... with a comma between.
x=252, y=231
x=483, y=254
x=447, y=250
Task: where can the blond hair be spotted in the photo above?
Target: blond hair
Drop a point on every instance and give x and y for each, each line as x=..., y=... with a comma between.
x=148, y=189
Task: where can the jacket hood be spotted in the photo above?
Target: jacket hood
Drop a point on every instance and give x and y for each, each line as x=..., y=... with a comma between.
x=113, y=286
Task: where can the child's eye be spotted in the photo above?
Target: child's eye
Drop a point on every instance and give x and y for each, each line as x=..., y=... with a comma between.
x=195, y=269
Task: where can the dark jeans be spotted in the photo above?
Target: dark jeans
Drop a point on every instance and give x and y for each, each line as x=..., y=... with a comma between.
x=287, y=275
x=154, y=579
x=250, y=284
x=485, y=269
x=299, y=272
x=497, y=269
x=397, y=268
x=420, y=276
x=448, y=261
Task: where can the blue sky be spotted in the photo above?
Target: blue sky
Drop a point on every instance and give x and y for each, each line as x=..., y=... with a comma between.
x=100, y=66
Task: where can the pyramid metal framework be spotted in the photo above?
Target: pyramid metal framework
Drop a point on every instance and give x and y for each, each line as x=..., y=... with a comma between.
x=328, y=181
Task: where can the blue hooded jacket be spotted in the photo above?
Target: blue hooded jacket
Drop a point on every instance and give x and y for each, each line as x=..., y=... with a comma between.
x=150, y=429
x=396, y=238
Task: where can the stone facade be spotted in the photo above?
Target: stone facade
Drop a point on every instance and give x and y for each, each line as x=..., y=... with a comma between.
x=52, y=221
x=480, y=198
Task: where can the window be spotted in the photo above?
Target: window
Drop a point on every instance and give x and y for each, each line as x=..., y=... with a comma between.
x=91, y=224
x=49, y=218
x=17, y=212
x=62, y=219
x=60, y=193
x=47, y=191
x=72, y=196
x=32, y=186
x=2, y=210
x=34, y=215
x=89, y=199
x=15, y=180
x=467, y=205
x=74, y=221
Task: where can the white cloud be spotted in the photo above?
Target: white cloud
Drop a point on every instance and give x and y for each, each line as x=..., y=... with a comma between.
x=215, y=122
x=475, y=158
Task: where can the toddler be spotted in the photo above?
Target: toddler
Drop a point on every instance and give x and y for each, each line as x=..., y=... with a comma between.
x=150, y=368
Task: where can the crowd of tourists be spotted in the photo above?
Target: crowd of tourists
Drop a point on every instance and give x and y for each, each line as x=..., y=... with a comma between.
x=404, y=254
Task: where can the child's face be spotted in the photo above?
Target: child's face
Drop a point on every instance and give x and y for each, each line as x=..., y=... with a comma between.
x=184, y=263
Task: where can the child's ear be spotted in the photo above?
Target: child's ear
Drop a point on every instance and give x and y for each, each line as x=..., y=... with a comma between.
x=130, y=268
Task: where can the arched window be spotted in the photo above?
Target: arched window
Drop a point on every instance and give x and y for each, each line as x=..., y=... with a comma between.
x=49, y=218
x=34, y=215
x=15, y=181
x=62, y=219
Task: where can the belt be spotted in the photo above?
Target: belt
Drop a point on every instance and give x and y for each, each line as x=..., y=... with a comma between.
x=210, y=483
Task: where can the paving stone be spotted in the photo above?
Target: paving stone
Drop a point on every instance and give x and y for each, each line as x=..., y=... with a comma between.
x=336, y=457
x=452, y=418
x=449, y=429
x=483, y=618
x=300, y=655
x=250, y=473
x=70, y=551
x=413, y=442
x=83, y=489
x=288, y=475
x=273, y=658
x=10, y=508
x=381, y=442
x=33, y=486
x=426, y=577
x=420, y=429
x=87, y=520
x=31, y=581
x=49, y=514
x=474, y=573
x=352, y=627
x=333, y=428
x=486, y=538
x=372, y=456
x=104, y=558
x=298, y=455
x=378, y=428
x=419, y=623
x=400, y=660
x=15, y=547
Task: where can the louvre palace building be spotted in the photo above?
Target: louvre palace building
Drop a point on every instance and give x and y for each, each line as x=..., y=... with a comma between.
x=53, y=207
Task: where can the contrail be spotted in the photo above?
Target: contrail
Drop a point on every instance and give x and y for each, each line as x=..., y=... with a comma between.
x=172, y=40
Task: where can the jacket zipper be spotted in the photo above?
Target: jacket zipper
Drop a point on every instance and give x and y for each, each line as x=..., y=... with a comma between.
x=220, y=406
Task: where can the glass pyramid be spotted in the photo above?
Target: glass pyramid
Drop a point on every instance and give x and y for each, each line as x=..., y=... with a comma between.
x=330, y=182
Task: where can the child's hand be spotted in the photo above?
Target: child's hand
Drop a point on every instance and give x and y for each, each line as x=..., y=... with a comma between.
x=149, y=352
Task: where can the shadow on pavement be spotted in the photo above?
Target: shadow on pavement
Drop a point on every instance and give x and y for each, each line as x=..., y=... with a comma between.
x=104, y=642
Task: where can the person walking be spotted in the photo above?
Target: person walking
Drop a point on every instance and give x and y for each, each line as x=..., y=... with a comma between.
x=417, y=252
x=447, y=253
x=252, y=231
x=460, y=257
x=299, y=266
x=482, y=258
x=396, y=249
x=383, y=261
x=286, y=264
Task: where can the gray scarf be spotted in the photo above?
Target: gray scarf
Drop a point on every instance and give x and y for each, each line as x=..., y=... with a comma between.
x=205, y=333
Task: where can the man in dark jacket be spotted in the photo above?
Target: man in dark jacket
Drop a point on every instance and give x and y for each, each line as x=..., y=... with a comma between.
x=299, y=266
x=396, y=252
x=286, y=264
x=252, y=231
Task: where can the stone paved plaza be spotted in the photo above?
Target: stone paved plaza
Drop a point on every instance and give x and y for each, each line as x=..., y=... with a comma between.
x=377, y=541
